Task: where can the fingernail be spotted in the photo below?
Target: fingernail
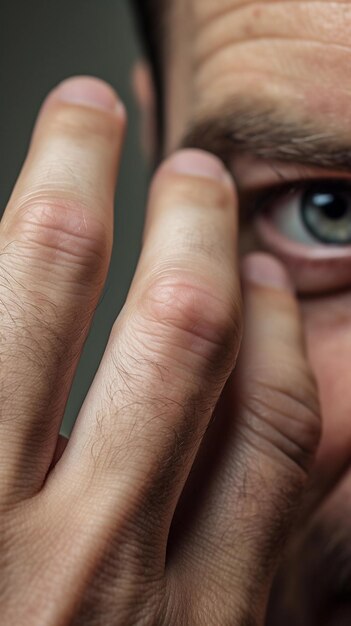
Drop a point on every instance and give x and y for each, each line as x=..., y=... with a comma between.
x=198, y=163
x=264, y=270
x=88, y=91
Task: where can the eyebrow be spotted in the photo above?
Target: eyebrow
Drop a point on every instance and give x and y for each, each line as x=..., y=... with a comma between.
x=269, y=133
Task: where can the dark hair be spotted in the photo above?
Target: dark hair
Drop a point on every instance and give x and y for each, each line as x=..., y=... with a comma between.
x=149, y=17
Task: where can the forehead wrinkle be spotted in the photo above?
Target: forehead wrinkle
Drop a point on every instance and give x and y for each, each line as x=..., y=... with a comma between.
x=222, y=9
x=193, y=90
x=267, y=133
x=313, y=22
x=309, y=63
x=201, y=58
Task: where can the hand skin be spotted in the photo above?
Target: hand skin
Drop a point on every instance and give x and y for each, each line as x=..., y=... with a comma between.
x=137, y=520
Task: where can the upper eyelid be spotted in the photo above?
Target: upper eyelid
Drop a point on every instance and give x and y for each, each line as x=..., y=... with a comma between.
x=251, y=173
x=260, y=199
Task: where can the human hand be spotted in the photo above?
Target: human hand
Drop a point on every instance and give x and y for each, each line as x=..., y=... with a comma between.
x=148, y=515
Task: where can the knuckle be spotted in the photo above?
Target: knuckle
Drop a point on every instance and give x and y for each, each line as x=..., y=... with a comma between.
x=193, y=315
x=286, y=414
x=58, y=231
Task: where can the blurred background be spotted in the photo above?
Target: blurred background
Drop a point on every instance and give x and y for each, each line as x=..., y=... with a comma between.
x=43, y=42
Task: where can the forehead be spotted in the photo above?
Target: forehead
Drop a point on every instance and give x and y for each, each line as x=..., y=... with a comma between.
x=285, y=54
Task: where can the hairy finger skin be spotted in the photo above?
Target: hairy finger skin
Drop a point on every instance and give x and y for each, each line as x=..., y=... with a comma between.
x=99, y=527
x=244, y=493
x=55, y=244
x=169, y=356
x=97, y=544
x=175, y=342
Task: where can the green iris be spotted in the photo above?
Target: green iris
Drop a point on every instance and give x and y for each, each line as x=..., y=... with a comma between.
x=326, y=213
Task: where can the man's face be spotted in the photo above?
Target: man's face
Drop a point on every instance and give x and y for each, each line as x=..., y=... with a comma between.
x=267, y=85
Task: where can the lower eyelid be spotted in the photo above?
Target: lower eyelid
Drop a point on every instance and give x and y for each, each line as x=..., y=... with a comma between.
x=314, y=269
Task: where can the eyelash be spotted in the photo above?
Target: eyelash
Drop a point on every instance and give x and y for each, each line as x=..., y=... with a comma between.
x=261, y=199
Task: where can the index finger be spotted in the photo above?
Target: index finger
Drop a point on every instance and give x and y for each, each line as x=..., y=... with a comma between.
x=170, y=352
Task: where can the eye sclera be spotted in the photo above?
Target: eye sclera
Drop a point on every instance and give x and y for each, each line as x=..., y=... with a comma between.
x=314, y=267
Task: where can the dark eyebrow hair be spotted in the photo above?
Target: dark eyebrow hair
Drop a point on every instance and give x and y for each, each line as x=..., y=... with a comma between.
x=268, y=133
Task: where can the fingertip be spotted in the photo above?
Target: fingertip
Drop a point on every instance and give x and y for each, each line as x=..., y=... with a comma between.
x=87, y=91
x=264, y=270
x=197, y=163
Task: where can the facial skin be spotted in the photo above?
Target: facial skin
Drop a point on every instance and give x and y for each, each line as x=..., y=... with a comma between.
x=274, y=76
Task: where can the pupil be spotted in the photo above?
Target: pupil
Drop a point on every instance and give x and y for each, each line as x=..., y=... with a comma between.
x=334, y=206
x=326, y=213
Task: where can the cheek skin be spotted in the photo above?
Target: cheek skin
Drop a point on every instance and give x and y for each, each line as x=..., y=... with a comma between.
x=327, y=323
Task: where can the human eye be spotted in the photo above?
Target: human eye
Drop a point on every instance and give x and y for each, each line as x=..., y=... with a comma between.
x=307, y=224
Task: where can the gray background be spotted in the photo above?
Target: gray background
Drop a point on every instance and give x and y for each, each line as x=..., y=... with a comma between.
x=43, y=42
